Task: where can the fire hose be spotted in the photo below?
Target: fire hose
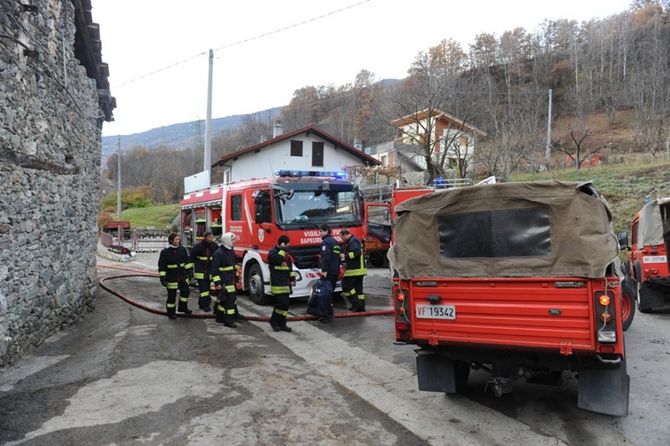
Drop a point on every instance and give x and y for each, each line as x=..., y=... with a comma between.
x=143, y=273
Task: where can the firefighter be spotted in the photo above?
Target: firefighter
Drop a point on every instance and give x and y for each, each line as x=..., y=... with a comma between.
x=352, y=282
x=281, y=276
x=202, y=255
x=174, y=270
x=329, y=262
x=223, y=280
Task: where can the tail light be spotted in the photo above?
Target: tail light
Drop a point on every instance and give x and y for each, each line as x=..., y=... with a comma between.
x=401, y=304
x=605, y=317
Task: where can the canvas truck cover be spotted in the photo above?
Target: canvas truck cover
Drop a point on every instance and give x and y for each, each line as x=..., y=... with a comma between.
x=533, y=229
x=650, y=231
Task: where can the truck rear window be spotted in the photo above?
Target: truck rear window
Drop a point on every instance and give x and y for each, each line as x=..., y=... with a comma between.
x=497, y=233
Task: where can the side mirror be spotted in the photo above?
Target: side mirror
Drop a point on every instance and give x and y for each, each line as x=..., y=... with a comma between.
x=623, y=240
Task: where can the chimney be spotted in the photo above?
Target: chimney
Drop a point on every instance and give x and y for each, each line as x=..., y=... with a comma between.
x=358, y=143
x=278, y=129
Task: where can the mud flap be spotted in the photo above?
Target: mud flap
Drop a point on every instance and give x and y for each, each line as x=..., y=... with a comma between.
x=604, y=391
x=651, y=297
x=436, y=374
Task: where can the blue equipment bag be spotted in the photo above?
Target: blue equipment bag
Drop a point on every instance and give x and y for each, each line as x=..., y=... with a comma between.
x=320, y=301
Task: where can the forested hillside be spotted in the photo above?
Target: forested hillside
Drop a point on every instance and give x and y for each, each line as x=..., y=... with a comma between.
x=610, y=89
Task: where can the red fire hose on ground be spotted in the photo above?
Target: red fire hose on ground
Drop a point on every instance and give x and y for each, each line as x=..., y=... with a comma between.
x=150, y=309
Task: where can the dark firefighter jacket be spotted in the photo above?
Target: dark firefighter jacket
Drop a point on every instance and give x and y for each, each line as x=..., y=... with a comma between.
x=354, y=258
x=173, y=264
x=202, y=255
x=330, y=255
x=280, y=270
x=222, y=270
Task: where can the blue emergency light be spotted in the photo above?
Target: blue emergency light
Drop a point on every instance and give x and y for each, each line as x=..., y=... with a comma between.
x=309, y=173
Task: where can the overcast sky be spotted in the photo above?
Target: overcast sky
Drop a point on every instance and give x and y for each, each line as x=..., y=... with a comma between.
x=381, y=36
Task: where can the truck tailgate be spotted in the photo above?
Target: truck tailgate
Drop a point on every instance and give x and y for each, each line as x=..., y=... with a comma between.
x=532, y=313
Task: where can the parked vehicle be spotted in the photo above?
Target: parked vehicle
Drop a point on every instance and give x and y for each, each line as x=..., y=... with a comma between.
x=519, y=279
x=646, y=270
x=259, y=210
x=377, y=231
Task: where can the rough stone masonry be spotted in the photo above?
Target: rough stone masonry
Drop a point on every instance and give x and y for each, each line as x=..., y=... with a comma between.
x=54, y=97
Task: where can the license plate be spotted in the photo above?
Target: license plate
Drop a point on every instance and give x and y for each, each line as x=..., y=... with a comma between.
x=654, y=259
x=425, y=311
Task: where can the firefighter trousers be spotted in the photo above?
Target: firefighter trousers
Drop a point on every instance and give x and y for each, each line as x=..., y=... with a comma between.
x=280, y=311
x=352, y=289
x=226, y=308
x=204, y=299
x=184, y=292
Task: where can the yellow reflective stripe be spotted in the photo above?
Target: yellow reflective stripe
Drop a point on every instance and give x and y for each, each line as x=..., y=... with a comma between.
x=280, y=289
x=162, y=273
x=171, y=305
x=336, y=249
x=183, y=299
x=226, y=268
x=216, y=279
x=204, y=294
x=352, y=255
x=230, y=311
x=172, y=285
x=199, y=275
x=281, y=252
x=361, y=297
x=220, y=308
x=230, y=288
x=202, y=258
x=281, y=312
x=172, y=266
x=188, y=265
x=355, y=272
x=283, y=268
x=294, y=274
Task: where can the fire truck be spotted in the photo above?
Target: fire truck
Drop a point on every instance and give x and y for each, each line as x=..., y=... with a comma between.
x=517, y=279
x=647, y=270
x=259, y=210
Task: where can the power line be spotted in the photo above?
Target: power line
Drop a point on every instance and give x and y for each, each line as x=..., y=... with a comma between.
x=243, y=41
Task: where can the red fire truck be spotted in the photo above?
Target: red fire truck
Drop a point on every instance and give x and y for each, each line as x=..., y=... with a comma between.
x=647, y=270
x=259, y=210
x=518, y=279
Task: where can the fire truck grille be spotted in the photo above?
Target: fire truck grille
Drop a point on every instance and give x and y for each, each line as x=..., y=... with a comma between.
x=306, y=256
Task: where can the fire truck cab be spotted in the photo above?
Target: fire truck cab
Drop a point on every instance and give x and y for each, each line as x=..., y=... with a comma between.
x=259, y=210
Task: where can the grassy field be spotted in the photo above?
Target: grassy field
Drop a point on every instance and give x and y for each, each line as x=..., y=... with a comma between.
x=623, y=185
x=159, y=217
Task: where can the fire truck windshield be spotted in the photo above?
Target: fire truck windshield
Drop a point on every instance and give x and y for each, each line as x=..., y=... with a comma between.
x=310, y=208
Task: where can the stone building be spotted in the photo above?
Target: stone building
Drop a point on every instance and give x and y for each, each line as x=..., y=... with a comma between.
x=54, y=98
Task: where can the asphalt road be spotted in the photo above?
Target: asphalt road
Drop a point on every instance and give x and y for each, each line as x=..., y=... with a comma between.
x=125, y=376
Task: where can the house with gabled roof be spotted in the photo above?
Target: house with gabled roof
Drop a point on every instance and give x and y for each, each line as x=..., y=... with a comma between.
x=454, y=140
x=307, y=149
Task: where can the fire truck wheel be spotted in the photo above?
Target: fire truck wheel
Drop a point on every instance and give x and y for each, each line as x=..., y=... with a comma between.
x=628, y=298
x=256, y=286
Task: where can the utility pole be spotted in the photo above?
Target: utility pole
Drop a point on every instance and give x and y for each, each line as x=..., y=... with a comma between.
x=208, y=123
x=547, y=151
x=118, y=180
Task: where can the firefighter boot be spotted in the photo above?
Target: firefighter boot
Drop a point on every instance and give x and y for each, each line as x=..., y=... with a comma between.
x=275, y=323
x=183, y=305
x=170, y=311
x=229, y=318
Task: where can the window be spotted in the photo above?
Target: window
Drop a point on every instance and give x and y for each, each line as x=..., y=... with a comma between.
x=263, y=207
x=500, y=233
x=296, y=148
x=236, y=207
x=317, y=154
x=384, y=160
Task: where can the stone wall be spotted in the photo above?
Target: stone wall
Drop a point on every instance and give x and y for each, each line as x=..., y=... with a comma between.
x=50, y=132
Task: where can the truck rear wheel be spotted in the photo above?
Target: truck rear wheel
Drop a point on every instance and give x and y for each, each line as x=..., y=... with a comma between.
x=256, y=286
x=628, y=298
